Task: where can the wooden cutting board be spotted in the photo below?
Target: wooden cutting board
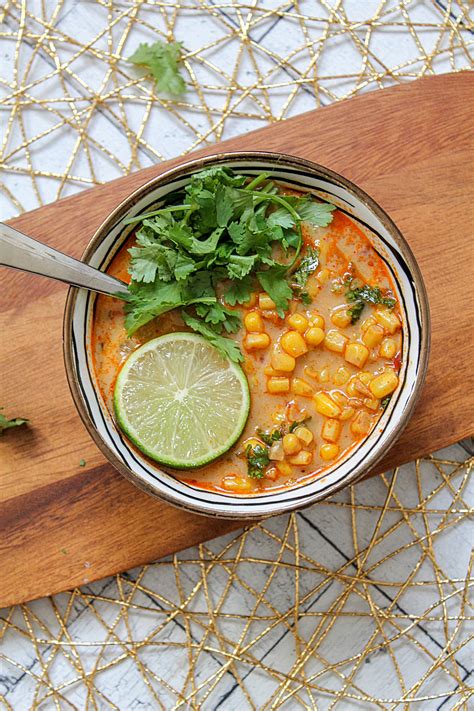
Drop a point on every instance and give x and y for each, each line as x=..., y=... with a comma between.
x=62, y=524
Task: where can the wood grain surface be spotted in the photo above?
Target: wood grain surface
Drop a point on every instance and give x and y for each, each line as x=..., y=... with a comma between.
x=63, y=524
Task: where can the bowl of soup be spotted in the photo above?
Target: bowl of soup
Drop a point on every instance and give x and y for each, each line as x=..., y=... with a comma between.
x=295, y=281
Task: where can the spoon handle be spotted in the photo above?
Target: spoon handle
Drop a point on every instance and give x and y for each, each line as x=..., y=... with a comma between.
x=21, y=252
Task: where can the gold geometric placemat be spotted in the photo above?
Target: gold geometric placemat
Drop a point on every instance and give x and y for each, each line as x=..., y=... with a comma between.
x=359, y=602
x=364, y=598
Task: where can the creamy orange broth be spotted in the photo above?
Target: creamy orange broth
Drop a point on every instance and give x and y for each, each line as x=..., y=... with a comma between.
x=341, y=245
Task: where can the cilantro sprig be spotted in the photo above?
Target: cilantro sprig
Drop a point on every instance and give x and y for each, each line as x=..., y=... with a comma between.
x=210, y=245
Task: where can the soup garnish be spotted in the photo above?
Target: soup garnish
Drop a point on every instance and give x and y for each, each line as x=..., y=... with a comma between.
x=180, y=402
x=282, y=282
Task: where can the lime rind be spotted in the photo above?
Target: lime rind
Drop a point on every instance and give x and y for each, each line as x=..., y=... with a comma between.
x=180, y=402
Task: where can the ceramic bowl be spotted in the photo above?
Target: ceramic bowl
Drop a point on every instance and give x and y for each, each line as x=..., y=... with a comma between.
x=388, y=242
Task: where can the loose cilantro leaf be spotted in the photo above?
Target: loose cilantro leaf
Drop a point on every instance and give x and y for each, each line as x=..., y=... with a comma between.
x=366, y=295
x=270, y=437
x=6, y=424
x=162, y=59
x=257, y=460
x=226, y=347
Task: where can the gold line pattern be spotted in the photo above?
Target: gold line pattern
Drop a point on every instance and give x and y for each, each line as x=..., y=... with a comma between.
x=359, y=602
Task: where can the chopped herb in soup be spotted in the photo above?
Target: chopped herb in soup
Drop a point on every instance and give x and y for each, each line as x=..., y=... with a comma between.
x=283, y=283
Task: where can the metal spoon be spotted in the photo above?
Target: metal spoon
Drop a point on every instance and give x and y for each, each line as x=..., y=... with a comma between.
x=21, y=252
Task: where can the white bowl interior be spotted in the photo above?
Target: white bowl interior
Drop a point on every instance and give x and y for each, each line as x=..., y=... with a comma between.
x=213, y=503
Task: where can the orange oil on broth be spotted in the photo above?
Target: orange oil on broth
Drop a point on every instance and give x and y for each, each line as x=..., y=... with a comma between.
x=340, y=244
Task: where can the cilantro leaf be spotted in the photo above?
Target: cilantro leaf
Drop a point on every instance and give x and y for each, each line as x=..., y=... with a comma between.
x=308, y=264
x=226, y=347
x=145, y=302
x=147, y=261
x=6, y=424
x=273, y=281
x=366, y=295
x=162, y=60
x=219, y=314
x=238, y=266
x=257, y=459
x=316, y=213
x=270, y=437
x=239, y=291
x=299, y=423
x=281, y=218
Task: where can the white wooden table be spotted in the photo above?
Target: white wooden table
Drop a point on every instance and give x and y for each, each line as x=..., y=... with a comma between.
x=360, y=602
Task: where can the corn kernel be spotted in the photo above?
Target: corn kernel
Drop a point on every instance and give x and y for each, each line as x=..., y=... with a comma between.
x=237, y=484
x=284, y=468
x=331, y=430
x=272, y=474
x=271, y=372
x=335, y=341
x=294, y=344
x=341, y=376
x=373, y=335
x=265, y=302
x=347, y=413
x=301, y=387
x=326, y=406
x=314, y=336
x=291, y=444
x=283, y=361
x=252, y=301
x=387, y=319
x=316, y=320
x=256, y=341
x=323, y=276
x=312, y=372
x=356, y=354
x=372, y=403
x=328, y=451
x=341, y=318
x=301, y=459
x=388, y=348
x=365, y=376
x=251, y=442
x=324, y=375
x=298, y=322
x=361, y=388
x=339, y=397
x=278, y=385
x=253, y=322
x=383, y=384
x=361, y=424
x=366, y=323
x=305, y=435
x=351, y=387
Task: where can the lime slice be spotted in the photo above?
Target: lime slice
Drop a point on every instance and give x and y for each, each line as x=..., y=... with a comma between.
x=180, y=402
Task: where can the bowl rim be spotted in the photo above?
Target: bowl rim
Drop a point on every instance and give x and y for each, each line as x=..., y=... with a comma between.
x=194, y=165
